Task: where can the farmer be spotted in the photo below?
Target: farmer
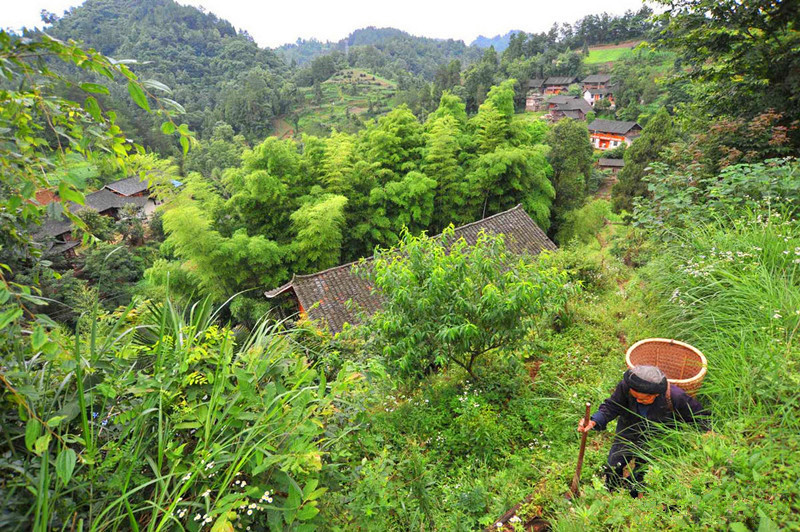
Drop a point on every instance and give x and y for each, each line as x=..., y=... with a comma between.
x=643, y=396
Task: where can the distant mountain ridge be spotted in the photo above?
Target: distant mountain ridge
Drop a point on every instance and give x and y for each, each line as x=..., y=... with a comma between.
x=387, y=51
x=500, y=42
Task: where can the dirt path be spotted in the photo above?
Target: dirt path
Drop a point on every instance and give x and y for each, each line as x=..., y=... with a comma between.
x=604, y=192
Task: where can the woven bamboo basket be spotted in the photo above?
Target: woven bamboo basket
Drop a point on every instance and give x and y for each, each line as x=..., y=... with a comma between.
x=683, y=364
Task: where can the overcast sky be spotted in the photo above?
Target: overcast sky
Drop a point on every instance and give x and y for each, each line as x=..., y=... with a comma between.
x=275, y=22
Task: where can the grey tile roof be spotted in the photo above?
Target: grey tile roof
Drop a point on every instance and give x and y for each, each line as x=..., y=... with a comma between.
x=575, y=104
x=535, y=83
x=104, y=199
x=57, y=249
x=613, y=126
x=575, y=115
x=101, y=201
x=334, y=296
x=53, y=228
x=560, y=98
x=128, y=186
x=597, y=78
x=563, y=80
x=609, y=90
x=615, y=163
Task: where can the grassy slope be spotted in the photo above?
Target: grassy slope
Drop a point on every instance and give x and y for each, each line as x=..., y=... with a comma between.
x=349, y=91
x=479, y=450
x=608, y=53
x=733, y=294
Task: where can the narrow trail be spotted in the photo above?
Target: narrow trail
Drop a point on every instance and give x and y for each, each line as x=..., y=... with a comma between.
x=604, y=191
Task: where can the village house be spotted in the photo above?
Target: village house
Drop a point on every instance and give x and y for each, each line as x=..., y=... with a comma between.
x=558, y=85
x=534, y=95
x=56, y=235
x=564, y=106
x=608, y=134
x=597, y=88
x=596, y=81
x=337, y=296
x=613, y=165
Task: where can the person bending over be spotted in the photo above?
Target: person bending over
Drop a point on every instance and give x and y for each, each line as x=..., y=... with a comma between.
x=642, y=397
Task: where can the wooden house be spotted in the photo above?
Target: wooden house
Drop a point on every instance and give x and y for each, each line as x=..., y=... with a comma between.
x=563, y=106
x=337, y=296
x=596, y=81
x=534, y=95
x=598, y=87
x=592, y=96
x=558, y=85
x=56, y=234
x=613, y=165
x=608, y=134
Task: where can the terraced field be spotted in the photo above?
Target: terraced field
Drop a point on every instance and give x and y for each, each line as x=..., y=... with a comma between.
x=348, y=99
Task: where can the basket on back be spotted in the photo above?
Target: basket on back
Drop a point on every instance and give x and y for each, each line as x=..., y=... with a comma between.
x=684, y=365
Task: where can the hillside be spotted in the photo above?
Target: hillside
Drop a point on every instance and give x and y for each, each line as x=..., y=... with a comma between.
x=343, y=103
x=609, y=53
x=214, y=72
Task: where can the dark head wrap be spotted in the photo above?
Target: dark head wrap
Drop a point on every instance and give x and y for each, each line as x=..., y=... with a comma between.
x=646, y=379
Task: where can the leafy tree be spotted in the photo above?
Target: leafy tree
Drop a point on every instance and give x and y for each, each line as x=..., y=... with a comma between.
x=224, y=265
x=571, y=158
x=449, y=303
x=131, y=225
x=98, y=225
x=222, y=151
x=394, y=145
x=442, y=164
x=319, y=226
x=43, y=130
x=744, y=50
x=645, y=150
x=507, y=176
x=407, y=203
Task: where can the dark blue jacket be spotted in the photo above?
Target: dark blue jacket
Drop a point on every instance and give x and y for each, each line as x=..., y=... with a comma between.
x=623, y=405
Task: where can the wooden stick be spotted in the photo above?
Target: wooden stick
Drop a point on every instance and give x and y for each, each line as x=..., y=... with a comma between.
x=577, y=478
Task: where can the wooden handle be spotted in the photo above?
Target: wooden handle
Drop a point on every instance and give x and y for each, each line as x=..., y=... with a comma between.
x=576, y=479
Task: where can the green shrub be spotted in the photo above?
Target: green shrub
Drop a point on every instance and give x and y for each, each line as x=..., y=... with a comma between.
x=157, y=419
x=450, y=303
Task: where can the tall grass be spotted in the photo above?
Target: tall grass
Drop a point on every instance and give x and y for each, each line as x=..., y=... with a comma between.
x=732, y=288
x=160, y=418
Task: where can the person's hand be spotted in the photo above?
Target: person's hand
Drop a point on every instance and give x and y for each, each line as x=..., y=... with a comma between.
x=589, y=426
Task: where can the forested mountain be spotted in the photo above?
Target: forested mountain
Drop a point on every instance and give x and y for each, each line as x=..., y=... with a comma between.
x=500, y=42
x=386, y=51
x=213, y=71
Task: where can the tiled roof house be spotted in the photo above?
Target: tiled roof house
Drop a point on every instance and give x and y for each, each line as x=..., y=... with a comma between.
x=336, y=295
x=108, y=200
x=608, y=134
